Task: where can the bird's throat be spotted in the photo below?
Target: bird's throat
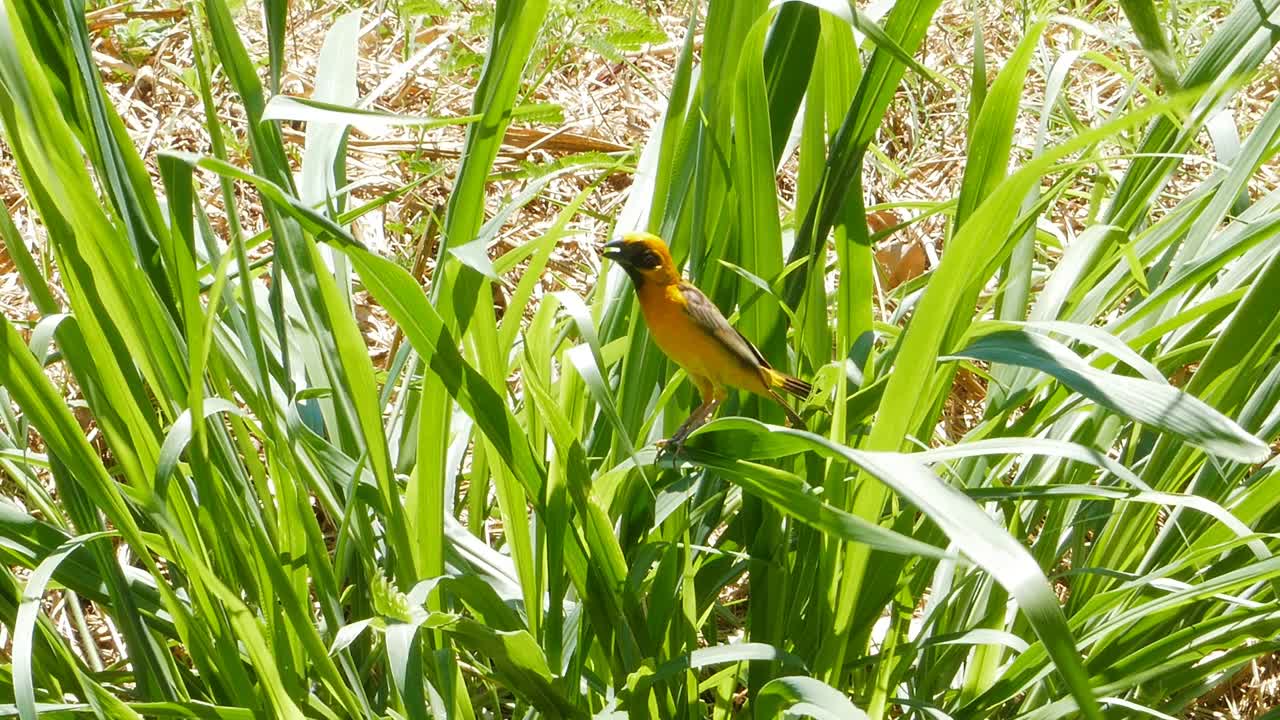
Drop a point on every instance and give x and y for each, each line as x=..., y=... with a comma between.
x=637, y=277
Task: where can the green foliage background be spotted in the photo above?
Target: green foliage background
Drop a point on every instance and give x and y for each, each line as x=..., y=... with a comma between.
x=275, y=529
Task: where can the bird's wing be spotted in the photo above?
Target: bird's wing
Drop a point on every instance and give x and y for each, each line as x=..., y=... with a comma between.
x=708, y=317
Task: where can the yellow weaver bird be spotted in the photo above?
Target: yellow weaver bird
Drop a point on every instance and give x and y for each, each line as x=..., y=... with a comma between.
x=690, y=329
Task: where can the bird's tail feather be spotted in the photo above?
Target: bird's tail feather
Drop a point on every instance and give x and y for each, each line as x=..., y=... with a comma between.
x=793, y=418
x=795, y=386
x=792, y=385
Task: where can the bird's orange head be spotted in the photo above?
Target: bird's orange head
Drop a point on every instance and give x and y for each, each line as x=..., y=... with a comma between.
x=645, y=257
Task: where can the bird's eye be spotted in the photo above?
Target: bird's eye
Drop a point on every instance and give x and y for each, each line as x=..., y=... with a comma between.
x=649, y=260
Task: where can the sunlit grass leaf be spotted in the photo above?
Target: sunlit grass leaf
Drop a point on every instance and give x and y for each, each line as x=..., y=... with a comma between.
x=401, y=295
x=1157, y=404
x=288, y=107
x=519, y=661
x=1145, y=20
x=971, y=530
x=905, y=28
x=1236, y=47
x=34, y=282
x=276, y=14
x=992, y=133
x=801, y=696
x=24, y=624
x=790, y=495
x=323, y=161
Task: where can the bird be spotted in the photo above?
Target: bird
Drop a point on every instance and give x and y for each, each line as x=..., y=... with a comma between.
x=692, y=331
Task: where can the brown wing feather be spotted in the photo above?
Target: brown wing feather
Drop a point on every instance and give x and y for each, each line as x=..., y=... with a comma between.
x=707, y=316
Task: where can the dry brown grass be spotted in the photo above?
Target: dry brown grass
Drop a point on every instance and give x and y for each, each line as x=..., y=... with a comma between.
x=1249, y=693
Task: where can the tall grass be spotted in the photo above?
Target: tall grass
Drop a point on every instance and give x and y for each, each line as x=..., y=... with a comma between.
x=272, y=528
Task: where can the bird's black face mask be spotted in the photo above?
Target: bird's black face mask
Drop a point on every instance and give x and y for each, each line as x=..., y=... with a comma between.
x=634, y=257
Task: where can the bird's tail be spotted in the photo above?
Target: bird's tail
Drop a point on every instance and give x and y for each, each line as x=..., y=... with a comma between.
x=793, y=385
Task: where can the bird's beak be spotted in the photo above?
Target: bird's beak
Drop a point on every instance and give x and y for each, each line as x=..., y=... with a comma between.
x=613, y=250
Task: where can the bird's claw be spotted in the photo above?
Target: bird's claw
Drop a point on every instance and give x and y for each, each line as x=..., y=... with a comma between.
x=675, y=445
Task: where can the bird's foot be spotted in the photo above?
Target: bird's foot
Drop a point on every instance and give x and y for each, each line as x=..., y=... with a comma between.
x=675, y=445
x=700, y=416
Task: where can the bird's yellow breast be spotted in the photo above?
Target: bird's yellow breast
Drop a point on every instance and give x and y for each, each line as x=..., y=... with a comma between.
x=690, y=346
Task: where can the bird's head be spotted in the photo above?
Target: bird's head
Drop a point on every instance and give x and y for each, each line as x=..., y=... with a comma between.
x=645, y=257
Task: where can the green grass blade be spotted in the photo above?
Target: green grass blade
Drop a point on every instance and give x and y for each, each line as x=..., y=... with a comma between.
x=905, y=27
x=1146, y=23
x=1155, y=404
x=276, y=16
x=991, y=138
x=25, y=264
x=800, y=696
x=970, y=529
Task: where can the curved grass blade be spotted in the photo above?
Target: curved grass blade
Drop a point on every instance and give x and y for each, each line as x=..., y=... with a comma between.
x=968, y=527
x=800, y=696
x=1157, y=404
x=28, y=611
x=790, y=495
